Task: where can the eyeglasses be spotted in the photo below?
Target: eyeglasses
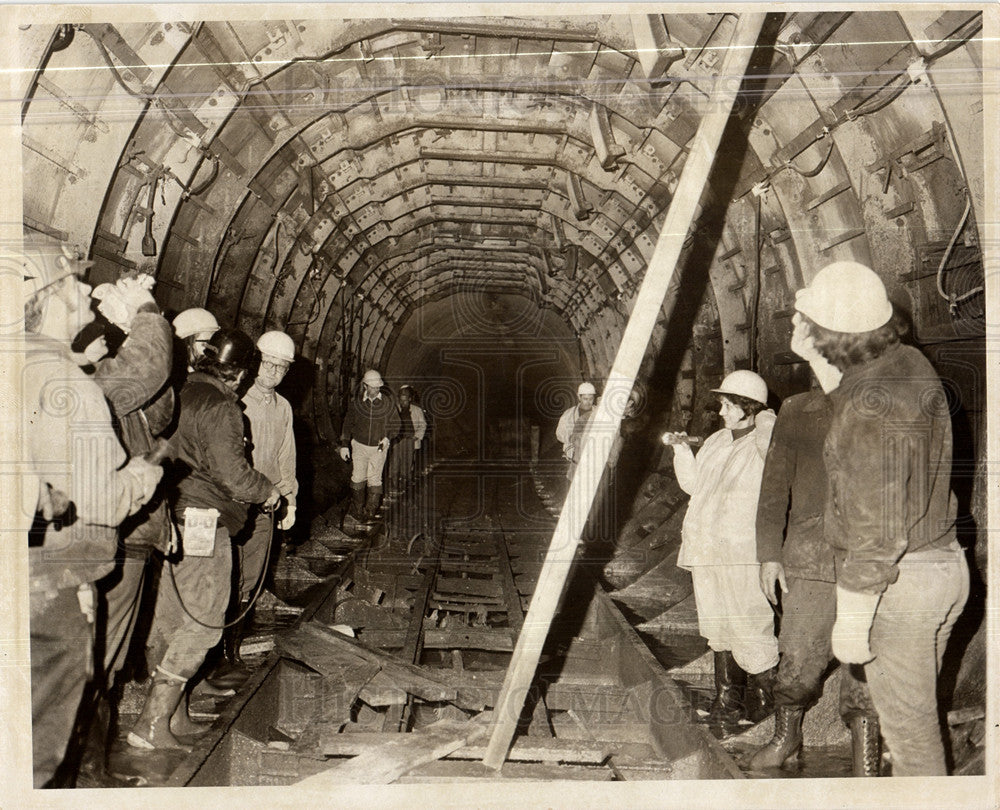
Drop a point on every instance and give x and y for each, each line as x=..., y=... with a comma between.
x=269, y=366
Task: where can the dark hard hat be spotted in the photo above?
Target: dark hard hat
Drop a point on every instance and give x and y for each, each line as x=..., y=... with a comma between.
x=230, y=347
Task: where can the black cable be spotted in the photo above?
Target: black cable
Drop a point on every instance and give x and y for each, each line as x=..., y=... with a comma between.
x=253, y=600
x=755, y=311
x=203, y=186
x=111, y=65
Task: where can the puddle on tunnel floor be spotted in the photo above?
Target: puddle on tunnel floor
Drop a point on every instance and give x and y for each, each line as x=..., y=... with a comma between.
x=819, y=762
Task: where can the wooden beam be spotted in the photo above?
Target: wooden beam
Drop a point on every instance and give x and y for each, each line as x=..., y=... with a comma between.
x=412, y=645
x=303, y=642
x=526, y=749
x=400, y=753
x=604, y=425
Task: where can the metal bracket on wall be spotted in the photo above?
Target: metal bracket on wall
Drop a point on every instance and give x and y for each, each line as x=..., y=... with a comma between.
x=915, y=155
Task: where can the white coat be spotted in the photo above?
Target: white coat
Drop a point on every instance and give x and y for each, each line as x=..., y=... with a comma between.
x=723, y=481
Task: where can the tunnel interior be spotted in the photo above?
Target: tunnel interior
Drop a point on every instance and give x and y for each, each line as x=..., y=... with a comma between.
x=344, y=180
x=470, y=204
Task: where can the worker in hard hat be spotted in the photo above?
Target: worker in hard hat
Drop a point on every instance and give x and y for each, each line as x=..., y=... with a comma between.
x=573, y=423
x=211, y=503
x=195, y=328
x=718, y=546
x=75, y=465
x=796, y=566
x=370, y=423
x=902, y=579
x=413, y=426
x=273, y=450
x=134, y=382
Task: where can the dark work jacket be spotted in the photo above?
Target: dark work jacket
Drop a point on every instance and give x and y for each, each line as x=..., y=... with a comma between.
x=368, y=422
x=793, y=490
x=210, y=441
x=888, y=458
x=134, y=382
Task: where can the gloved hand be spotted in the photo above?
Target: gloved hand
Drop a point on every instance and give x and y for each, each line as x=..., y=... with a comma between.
x=174, y=544
x=149, y=475
x=272, y=499
x=769, y=573
x=851, y=630
x=416, y=444
x=119, y=302
x=96, y=349
x=345, y=453
x=289, y=519
x=804, y=345
x=673, y=438
x=383, y=444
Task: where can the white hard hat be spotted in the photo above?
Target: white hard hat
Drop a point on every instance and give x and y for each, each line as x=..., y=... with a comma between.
x=195, y=320
x=845, y=297
x=372, y=377
x=277, y=344
x=586, y=388
x=743, y=383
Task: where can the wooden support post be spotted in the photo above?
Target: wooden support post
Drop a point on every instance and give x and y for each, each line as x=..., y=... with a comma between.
x=607, y=419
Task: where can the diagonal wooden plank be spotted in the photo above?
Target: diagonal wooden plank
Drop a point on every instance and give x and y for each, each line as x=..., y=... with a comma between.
x=403, y=675
x=401, y=753
x=597, y=439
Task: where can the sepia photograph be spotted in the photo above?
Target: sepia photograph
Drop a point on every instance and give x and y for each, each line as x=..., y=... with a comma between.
x=461, y=405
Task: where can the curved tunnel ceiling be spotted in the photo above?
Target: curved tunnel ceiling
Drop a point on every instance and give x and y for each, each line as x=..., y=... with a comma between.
x=293, y=173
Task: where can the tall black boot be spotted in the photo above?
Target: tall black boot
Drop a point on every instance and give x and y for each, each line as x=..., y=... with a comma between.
x=232, y=671
x=93, y=764
x=760, y=698
x=866, y=745
x=785, y=746
x=730, y=685
x=357, y=509
x=373, y=501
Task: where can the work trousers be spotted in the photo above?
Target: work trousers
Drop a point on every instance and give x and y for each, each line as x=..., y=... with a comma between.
x=252, y=556
x=367, y=463
x=908, y=638
x=121, y=592
x=62, y=647
x=733, y=614
x=191, y=608
x=809, y=610
x=401, y=461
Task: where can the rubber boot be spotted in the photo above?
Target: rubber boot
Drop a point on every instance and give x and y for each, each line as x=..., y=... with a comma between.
x=232, y=672
x=93, y=764
x=759, y=701
x=785, y=746
x=866, y=745
x=152, y=729
x=730, y=684
x=232, y=639
x=184, y=728
x=357, y=509
x=372, y=503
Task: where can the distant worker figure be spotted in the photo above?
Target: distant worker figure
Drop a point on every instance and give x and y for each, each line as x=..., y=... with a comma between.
x=719, y=547
x=573, y=423
x=370, y=423
x=413, y=425
x=902, y=578
x=195, y=328
x=794, y=554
